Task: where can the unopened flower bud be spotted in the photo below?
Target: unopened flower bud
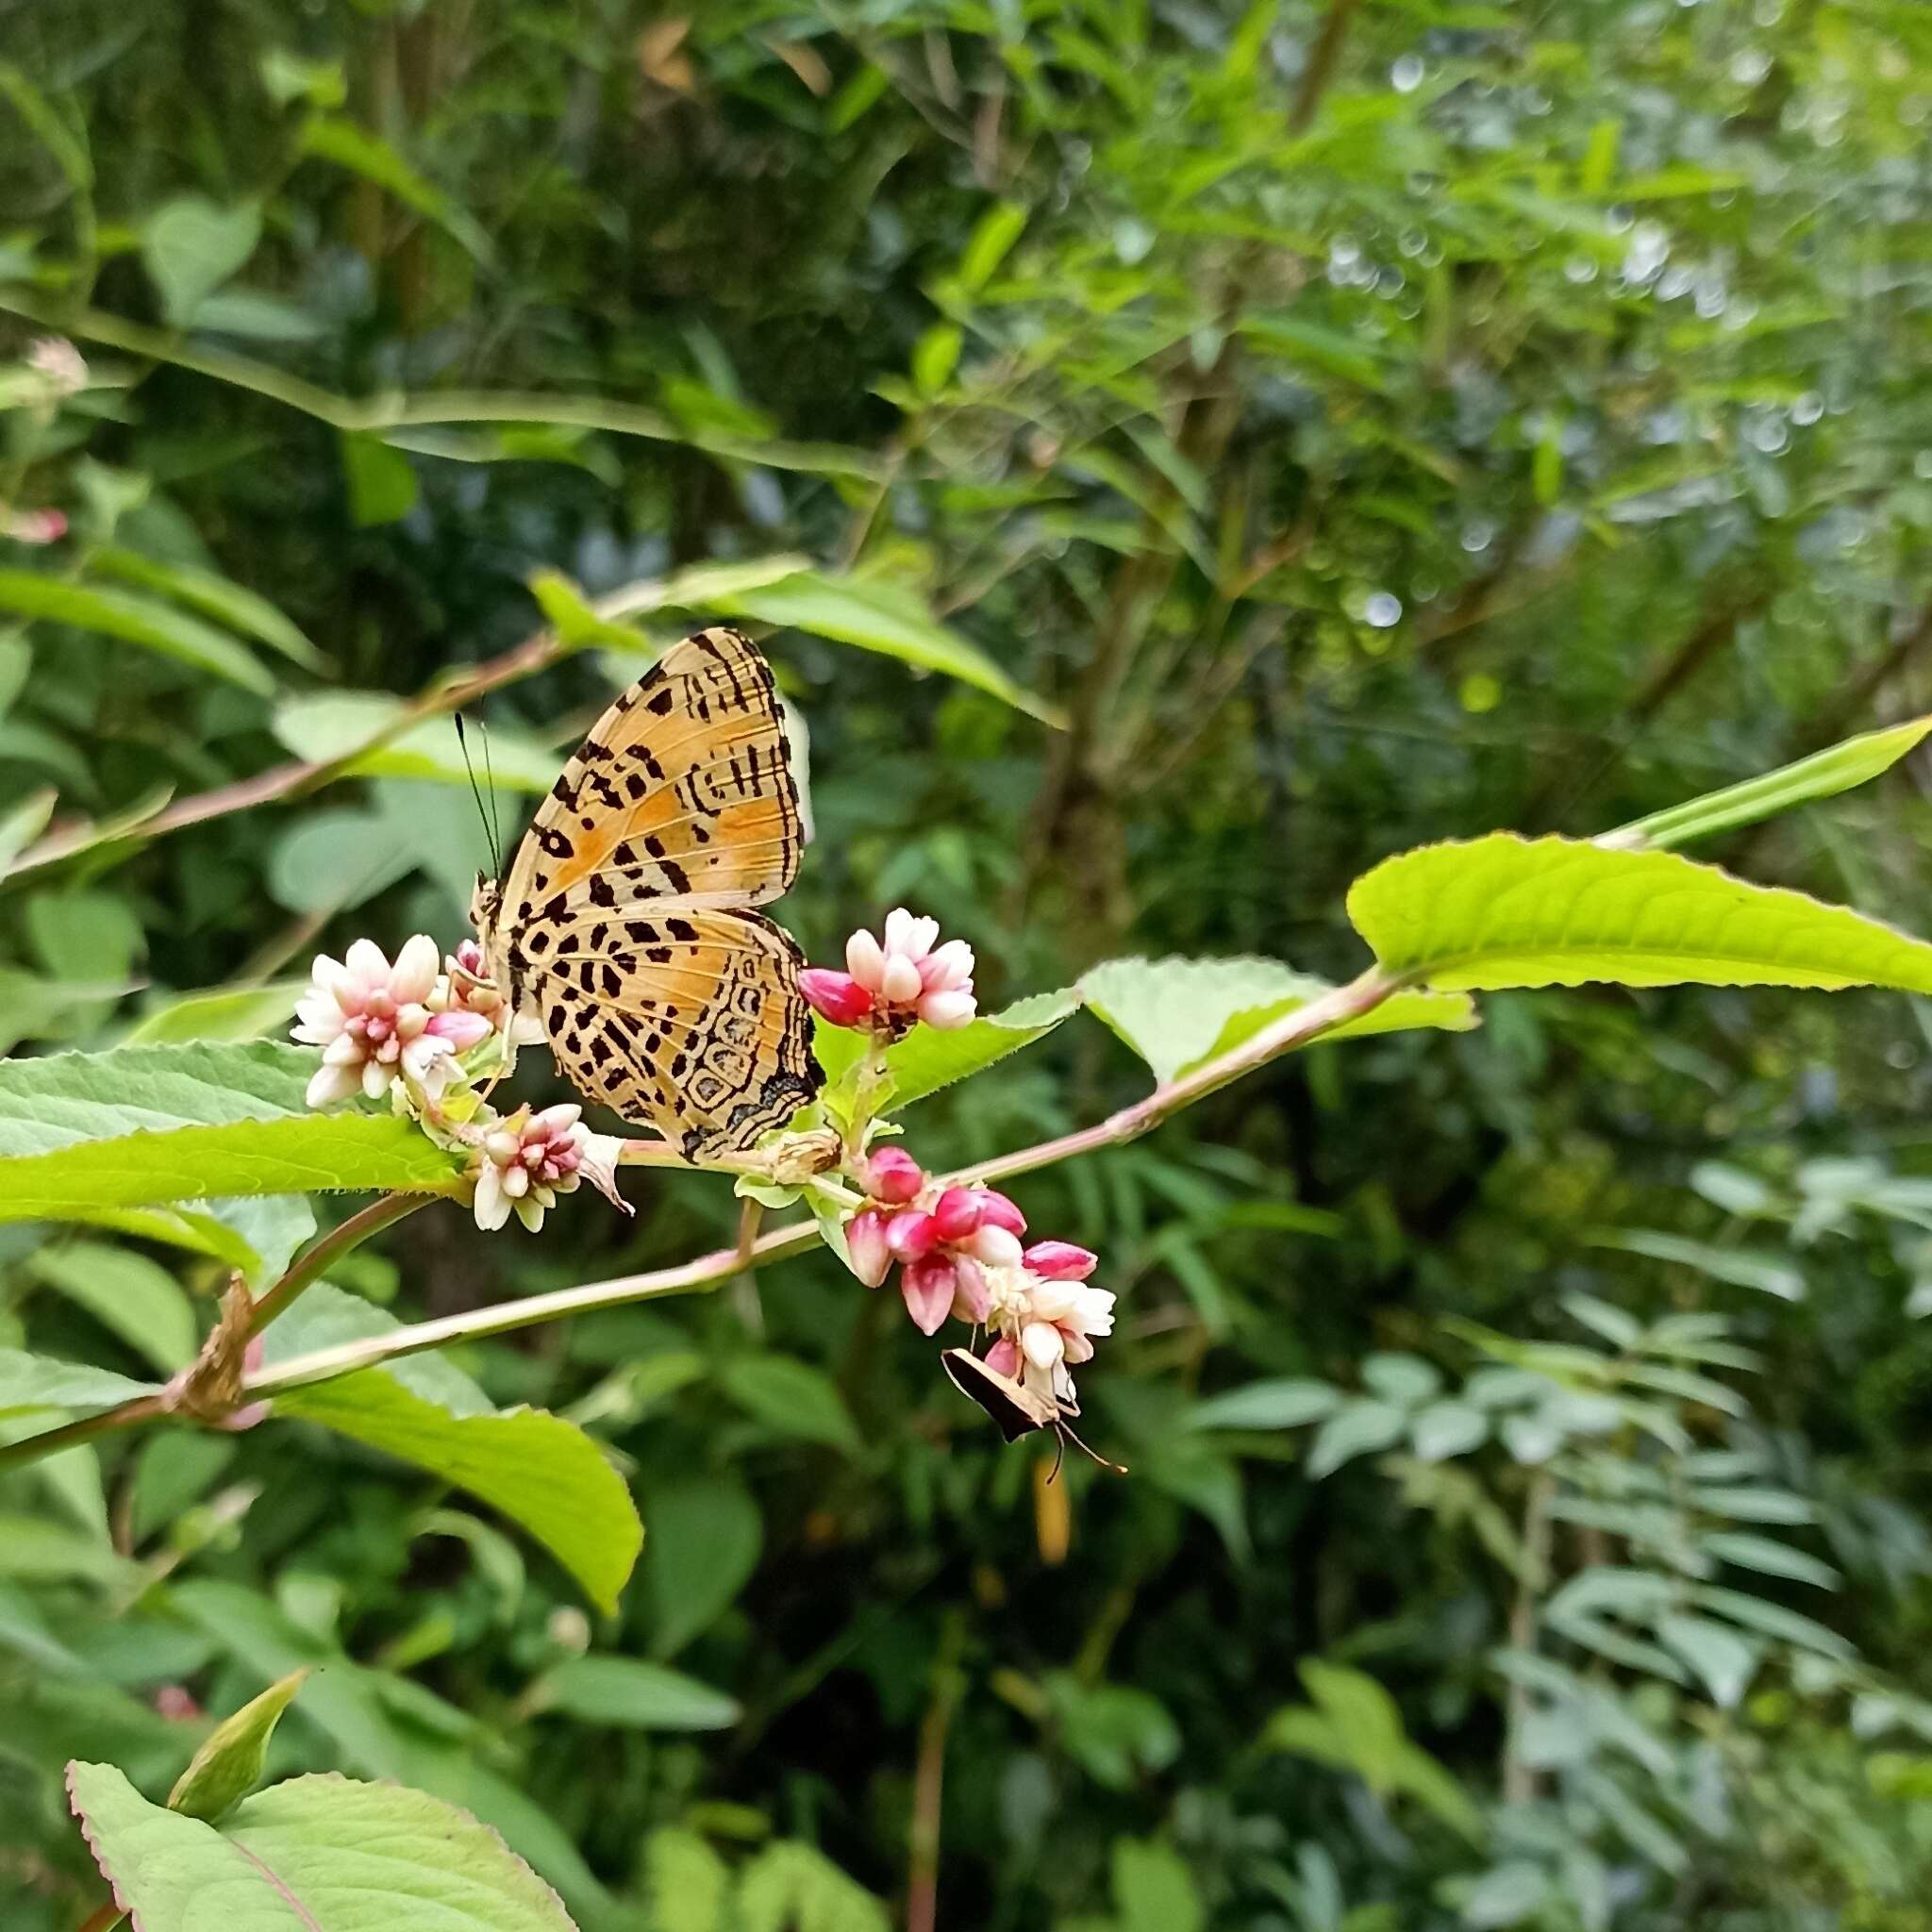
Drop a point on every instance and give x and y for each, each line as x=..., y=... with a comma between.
x=837, y=996
x=946, y=1012
x=893, y=1175
x=899, y=982
x=865, y=1241
x=957, y=1213
x=1003, y=1357
x=911, y=1237
x=996, y=1246
x=929, y=1287
x=1060, y=1260
x=971, y=1292
x=996, y=1210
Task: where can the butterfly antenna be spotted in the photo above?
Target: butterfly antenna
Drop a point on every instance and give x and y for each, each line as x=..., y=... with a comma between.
x=490, y=781
x=477, y=792
x=1065, y=1431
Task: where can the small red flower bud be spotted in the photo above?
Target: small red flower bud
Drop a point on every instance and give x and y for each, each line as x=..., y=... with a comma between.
x=971, y=1292
x=995, y=1211
x=929, y=1287
x=1060, y=1260
x=911, y=1237
x=836, y=995
x=956, y=1211
x=893, y=1175
x=1003, y=1357
x=865, y=1241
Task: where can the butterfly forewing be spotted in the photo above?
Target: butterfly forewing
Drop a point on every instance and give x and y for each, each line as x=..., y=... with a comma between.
x=625, y=920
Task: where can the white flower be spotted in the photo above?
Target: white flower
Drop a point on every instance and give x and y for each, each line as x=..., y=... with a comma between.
x=527, y=1160
x=911, y=971
x=373, y=1022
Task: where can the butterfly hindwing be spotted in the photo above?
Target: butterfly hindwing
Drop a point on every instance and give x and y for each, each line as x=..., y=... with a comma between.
x=625, y=918
x=690, y=1019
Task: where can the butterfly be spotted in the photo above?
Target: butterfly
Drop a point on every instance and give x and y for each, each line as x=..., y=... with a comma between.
x=625, y=920
x=1016, y=1411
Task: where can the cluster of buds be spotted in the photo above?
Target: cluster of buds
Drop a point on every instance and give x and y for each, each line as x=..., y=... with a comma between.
x=413, y=1032
x=890, y=984
x=959, y=1252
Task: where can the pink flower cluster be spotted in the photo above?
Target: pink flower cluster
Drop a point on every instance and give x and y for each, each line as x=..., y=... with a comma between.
x=530, y=1159
x=958, y=1253
x=377, y=1022
x=890, y=982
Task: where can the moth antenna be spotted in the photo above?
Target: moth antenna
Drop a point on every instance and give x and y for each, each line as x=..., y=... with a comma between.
x=477, y=792
x=1064, y=1429
x=1059, y=1455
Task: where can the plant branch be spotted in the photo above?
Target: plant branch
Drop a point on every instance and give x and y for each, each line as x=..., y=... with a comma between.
x=323, y=1254
x=395, y=409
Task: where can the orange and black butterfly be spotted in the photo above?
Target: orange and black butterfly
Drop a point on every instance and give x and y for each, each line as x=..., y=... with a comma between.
x=625, y=921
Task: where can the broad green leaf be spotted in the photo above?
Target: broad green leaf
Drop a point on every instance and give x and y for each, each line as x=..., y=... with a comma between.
x=936, y=355
x=228, y=1764
x=191, y=246
x=328, y=1317
x=143, y=620
x=928, y=1058
x=878, y=615
x=1361, y=1428
x=38, y=1382
x=1285, y=1403
x=1822, y=775
x=214, y=596
x=992, y=237
x=1770, y=1557
x=1725, y=1660
x=223, y=1013
x=22, y=824
x=1154, y=1889
x=1178, y=1014
x=636, y=1696
x=1447, y=1429
x=793, y=1397
x=792, y=1886
x=328, y=725
x=137, y=1298
x=576, y=620
x=688, y=1885
x=703, y=1540
x=1505, y=912
x=144, y=1126
x=542, y=1471
x=330, y=138
x=382, y=482
x=316, y=1854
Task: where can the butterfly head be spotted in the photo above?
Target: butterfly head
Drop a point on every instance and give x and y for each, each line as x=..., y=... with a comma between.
x=486, y=904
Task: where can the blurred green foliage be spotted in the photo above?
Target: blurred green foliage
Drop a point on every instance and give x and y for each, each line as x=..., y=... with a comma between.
x=1354, y=425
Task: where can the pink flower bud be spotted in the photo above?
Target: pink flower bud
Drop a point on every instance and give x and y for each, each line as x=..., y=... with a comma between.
x=996, y=1210
x=865, y=959
x=1060, y=1260
x=996, y=1246
x=971, y=1292
x=893, y=1175
x=837, y=995
x=929, y=1287
x=899, y=982
x=957, y=1213
x=947, y=968
x=911, y=1237
x=945, y=1012
x=865, y=1241
x=1003, y=1357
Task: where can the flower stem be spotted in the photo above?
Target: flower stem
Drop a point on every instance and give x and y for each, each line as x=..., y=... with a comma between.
x=325, y=1252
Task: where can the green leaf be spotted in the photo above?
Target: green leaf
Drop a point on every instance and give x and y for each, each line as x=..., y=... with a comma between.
x=792, y=1397
x=34, y=1382
x=223, y=1013
x=1505, y=911
x=1360, y=1429
x=382, y=481
x=634, y=1697
x=992, y=238
x=355, y=1856
x=228, y=1764
x=329, y=137
x=1284, y=1402
x=1725, y=1660
x=143, y=620
x=936, y=355
x=328, y=725
x=576, y=620
x=20, y=825
x=1154, y=1889
x=928, y=1058
x=1822, y=775
x=137, y=1298
x=542, y=1471
x=878, y=615
x=191, y=246
x=705, y=1538
x=1769, y=1557
x=214, y=596
x=1178, y=1014
x=1768, y=1272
